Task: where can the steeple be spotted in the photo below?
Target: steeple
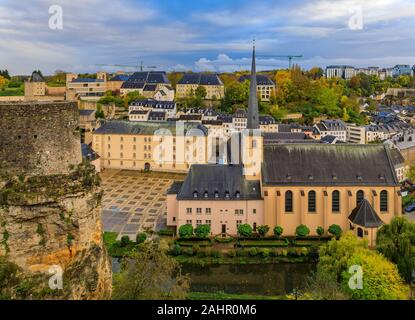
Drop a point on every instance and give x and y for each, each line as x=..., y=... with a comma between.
x=253, y=117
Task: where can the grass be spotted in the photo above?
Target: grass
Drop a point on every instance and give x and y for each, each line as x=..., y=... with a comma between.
x=308, y=243
x=228, y=296
x=110, y=238
x=264, y=243
x=202, y=261
x=190, y=243
x=12, y=92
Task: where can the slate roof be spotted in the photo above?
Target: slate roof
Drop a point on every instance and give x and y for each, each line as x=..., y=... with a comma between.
x=328, y=164
x=328, y=139
x=146, y=128
x=262, y=80
x=154, y=104
x=150, y=87
x=221, y=180
x=88, y=152
x=86, y=112
x=201, y=79
x=132, y=85
x=139, y=80
x=266, y=119
x=120, y=77
x=397, y=159
x=36, y=77
x=156, y=115
x=284, y=137
x=364, y=215
x=139, y=111
x=87, y=80
x=175, y=187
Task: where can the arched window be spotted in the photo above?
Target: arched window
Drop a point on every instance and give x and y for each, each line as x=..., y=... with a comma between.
x=311, y=201
x=237, y=194
x=360, y=195
x=195, y=194
x=206, y=194
x=360, y=232
x=335, y=201
x=289, y=201
x=383, y=200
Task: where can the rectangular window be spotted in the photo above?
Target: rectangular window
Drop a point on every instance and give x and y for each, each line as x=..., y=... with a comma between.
x=238, y=223
x=254, y=211
x=198, y=210
x=189, y=222
x=198, y=222
x=209, y=222
x=188, y=210
x=208, y=210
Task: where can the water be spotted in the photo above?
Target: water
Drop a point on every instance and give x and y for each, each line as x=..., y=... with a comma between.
x=255, y=279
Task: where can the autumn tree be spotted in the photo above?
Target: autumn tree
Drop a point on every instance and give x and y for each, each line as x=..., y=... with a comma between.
x=150, y=274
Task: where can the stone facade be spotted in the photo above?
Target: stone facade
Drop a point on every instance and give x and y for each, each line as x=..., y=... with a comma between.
x=38, y=138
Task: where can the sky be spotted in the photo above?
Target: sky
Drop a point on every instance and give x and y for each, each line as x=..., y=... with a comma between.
x=203, y=35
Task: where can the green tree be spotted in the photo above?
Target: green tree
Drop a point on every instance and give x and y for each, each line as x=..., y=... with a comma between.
x=141, y=237
x=245, y=230
x=201, y=92
x=278, y=231
x=202, y=230
x=302, y=231
x=335, y=230
x=320, y=231
x=150, y=274
x=263, y=230
x=396, y=241
x=186, y=231
x=381, y=279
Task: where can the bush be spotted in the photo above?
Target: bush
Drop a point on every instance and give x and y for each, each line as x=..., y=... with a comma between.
x=125, y=241
x=141, y=237
x=223, y=240
x=263, y=230
x=284, y=252
x=335, y=230
x=166, y=232
x=302, y=231
x=232, y=253
x=196, y=249
x=320, y=231
x=176, y=250
x=264, y=253
x=186, y=231
x=278, y=231
x=216, y=254
x=253, y=252
x=241, y=253
x=188, y=251
x=245, y=230
x=202, y=231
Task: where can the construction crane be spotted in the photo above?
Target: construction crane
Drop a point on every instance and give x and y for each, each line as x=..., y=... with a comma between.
x=141, y=66
x=290, y=58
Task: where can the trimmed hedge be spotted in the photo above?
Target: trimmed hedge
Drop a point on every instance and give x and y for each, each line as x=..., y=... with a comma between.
x=166, y=232
x=219, y=239
x=267, y=242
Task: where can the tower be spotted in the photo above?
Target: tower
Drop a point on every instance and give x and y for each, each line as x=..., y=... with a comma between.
x=252, y=142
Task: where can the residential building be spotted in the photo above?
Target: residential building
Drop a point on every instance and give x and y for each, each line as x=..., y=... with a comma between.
x=401, y=70
x=116, y=82
x=335, y=128
x=147, y=83
x=340, y=71
x=265, y=86
x=188, y=84
x=83, y=87
x=169, y=107
x=35, y=86
x=355, y=134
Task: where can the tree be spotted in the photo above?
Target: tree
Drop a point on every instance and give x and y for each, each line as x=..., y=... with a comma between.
x=245, y=230
x=186, y=231
x=278, y=231
x=335, y=230
x=396, y=241
x=263, y=230
x=150, y=274
x=9, y=278
x=202, y=230
x=3, y=82
x=5, y=74
x=132, y=96
x=320, y=231
x=201, y=92
x=302, y=231
x=381, y=279
x=141, y=237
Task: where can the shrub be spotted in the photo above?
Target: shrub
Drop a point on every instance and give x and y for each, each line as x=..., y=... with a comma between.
x=216, y=254
x=196, y=249
x=186, y=231
x=264, y=253
x=335, y=230
x=188, y=251
x=176, y=250
x=202, y=231
x=232, y=253
x=141, y=237
x=241, y=253
x=166, y=232
x=278, y=231
x=125, y=241
x=320, y=231
x=284, y=252
x=263, y=230
x=245, y=230
x=302, y=230
x=253, y=252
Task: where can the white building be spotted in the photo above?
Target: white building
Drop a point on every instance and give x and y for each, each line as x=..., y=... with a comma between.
x=335, y=128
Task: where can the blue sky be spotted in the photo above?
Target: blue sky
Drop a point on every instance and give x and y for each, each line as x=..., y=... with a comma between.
x=204, y=35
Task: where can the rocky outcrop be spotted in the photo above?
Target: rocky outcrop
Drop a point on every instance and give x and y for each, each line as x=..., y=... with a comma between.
x=55, y=220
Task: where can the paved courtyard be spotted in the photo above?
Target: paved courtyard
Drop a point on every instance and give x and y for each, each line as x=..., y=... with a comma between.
x=135, y=201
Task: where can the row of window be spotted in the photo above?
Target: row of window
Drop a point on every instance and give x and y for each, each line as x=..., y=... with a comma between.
x=134, y=139
x=209, y=211
x=335, y=200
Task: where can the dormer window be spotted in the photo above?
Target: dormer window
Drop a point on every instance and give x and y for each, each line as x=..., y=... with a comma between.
x=216, y=194
x=206, y=194
x=195, y=194
x=237, y=194
x=227, y=194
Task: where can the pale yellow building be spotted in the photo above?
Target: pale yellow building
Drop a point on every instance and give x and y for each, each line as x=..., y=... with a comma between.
x=189, y=83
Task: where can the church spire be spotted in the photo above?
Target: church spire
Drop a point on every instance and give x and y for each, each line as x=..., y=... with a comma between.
x=253, y=121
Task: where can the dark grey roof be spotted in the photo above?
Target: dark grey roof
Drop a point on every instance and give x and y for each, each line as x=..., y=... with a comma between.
x=139, y=111
x=132, y=85
x=88, y=152
x=328, y=164
x=175, y=187
x=212, y=122
x=150, y=87
x=201, y=79
x=157, y=115
x=36, y=77
x=154, y=104
x=87, y=80
x=279, y=137
x=266, y=119
x=86, y=112
x=328, y=139
x=146, y=128
x=397, y=158
x=120, y=77
x=221, y=180
x=262, y=80
x=253, y=114
x=188, y=117
x=139, y=80
x=364, y=215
